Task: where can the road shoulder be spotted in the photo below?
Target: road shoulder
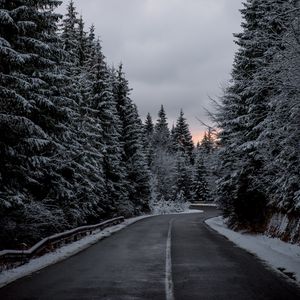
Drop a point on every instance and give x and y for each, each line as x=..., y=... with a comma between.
x=280, y=256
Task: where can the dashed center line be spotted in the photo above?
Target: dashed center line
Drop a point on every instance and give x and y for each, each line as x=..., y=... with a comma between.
x=168, y=279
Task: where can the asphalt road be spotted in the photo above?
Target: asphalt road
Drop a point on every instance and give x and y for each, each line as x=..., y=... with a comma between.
x=165, y=257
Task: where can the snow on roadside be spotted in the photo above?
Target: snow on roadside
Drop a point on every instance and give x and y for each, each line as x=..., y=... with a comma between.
x=191, y=211
x=279, y=255
x=204, y=204
x=64, y=252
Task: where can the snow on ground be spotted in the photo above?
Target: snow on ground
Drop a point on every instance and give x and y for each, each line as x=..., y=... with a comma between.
x=191, y=211
x=281, y=256
x=64, y=252
x=204, y=204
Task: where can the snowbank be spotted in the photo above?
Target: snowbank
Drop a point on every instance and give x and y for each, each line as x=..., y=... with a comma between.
x=163, y=207
x=204, y=205
x=64, y=252
x=285, y=227
x=281, y=256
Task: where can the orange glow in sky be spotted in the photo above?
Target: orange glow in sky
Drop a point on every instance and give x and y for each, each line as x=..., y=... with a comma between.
x=198, y=136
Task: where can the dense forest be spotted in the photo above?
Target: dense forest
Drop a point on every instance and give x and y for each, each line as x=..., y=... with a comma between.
x=259, y=121
x=73, y=149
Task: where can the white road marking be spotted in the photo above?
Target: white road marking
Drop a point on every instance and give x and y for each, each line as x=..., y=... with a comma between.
x=168, y=278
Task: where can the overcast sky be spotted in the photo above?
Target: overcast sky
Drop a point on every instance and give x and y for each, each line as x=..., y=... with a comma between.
x=175, y=52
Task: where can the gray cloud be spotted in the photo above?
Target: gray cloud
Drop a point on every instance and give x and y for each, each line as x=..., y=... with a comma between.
x=175, y=52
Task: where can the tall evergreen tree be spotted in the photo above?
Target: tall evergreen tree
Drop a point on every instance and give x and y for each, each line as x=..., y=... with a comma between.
x=280, y=129
x=82, y=43
x=164, y=161
x=183, y=188
x=207, y=143
x=85, y=136
x=245, y=107
x=103, y=102
x=138, y=176
x=33, y=121
x=70, y=33
x=162, y=132
x=149, y=126
x=148, y=139
x=200, y=183
x=183, y=137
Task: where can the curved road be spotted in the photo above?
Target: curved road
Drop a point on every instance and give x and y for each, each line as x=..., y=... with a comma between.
x=165, y=257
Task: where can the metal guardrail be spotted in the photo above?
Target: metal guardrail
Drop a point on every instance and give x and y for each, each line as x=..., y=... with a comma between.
x=10, y=259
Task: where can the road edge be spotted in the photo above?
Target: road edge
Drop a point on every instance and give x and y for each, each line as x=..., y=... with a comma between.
x=266, y=263
x=65, y=252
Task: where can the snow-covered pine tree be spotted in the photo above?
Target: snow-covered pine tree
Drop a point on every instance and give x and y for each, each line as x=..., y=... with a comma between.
x=181, y=150
x=172, y=132
x=83, y=42
x=138, y=176
x=236, y=190
x=281, y=130
x=105, y=111
x=161, y=131
x=70, y=32
x=90, y=42
x=149, y=126
x=207, y=143
x=164, y=162
x=148, y=139
x=33, y=122
x=200, y=188
x=206, y=152
x=183, y=137
x=163, y=167
x=183, y=186
x=85, y=138
x=244, y=109
x=173, y=145
x=72, y=36
x=82, y=79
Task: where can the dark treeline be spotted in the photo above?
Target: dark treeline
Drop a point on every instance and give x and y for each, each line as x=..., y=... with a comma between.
x=260, y=119
x=73, y=149
x=70, y=137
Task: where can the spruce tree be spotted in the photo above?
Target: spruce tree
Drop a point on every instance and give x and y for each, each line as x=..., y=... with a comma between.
x=103, y=103
x=34, y=121
x=245, y=107
x=280, y=129
x=82, y=43
x=207, y=143
x=87, y=137
x=72, y=36
x=183, y=183
x=206, y=154
x=138, y=176
x=70, y=33
x=164, y=161
x=149, y=126
x=183, y=137
x=201, y=191
x=148, y=139
x=162, y=132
